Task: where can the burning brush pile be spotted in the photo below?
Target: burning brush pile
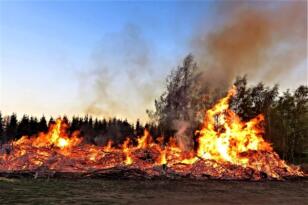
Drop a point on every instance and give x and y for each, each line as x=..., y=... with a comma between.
x=228, y=148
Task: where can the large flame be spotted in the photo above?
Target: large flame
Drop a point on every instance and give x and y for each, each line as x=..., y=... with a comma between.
x=228, y=148
x=224, y=137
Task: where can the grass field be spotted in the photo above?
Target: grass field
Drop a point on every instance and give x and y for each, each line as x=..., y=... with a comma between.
x=101, y=191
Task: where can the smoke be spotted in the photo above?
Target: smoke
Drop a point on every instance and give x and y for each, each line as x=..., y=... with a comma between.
x=266, y=41
x=183, y=134
x=122, y=82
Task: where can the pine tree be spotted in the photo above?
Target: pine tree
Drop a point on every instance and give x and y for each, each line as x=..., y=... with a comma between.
x=138, y=128
x=11, y=128
x=23, y=127
x=42, y=124
x=51, y=121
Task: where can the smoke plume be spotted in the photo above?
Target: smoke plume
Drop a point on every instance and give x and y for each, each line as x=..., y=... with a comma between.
x=182, y=135
x=265, y=41
x=122, y=81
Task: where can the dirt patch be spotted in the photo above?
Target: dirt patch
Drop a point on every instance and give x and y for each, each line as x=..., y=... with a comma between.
x=160, y=192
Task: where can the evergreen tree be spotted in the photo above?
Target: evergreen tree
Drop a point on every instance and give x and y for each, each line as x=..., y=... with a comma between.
x=23, y=127
x=33, y=126
x=138, y=128
x=51, y=120
x=11, y=127
x=42, y=125
x=75, y=124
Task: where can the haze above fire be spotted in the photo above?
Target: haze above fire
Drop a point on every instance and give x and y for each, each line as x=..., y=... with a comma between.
x=115, y=64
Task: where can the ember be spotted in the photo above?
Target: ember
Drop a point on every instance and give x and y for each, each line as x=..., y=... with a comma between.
x=228, y=148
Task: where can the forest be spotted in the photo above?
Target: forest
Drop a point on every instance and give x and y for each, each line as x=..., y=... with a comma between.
x=179, y=111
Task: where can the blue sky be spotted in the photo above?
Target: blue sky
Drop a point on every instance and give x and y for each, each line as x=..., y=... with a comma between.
x=47, y=46
x=48, y=50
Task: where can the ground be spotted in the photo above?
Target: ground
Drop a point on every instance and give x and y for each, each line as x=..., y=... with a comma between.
x=148, y=192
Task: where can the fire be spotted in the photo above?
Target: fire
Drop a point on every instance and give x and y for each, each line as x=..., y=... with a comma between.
x=228, y=148
x=56, y=136
x=224, y=137
x=144, y=140
x=126, y=151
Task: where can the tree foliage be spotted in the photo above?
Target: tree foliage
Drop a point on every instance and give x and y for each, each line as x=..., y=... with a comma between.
x=182, y=100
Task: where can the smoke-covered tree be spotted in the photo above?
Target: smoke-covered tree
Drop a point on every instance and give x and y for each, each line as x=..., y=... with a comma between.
x=176, y=103
x=180, y=109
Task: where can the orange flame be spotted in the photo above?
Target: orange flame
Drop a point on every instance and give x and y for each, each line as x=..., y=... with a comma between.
x=127, y=152
x=224, y=137
x=56, y=136
x=224, y=140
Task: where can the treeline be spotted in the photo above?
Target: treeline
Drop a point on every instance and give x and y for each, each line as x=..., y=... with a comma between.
x=93, y=130
x=179, y=112
x=12, y=129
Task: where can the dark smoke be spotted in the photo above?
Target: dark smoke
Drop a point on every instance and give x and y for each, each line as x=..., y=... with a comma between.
x=266, y=41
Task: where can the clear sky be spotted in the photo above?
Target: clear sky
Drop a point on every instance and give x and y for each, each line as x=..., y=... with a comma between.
x=50, y=53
